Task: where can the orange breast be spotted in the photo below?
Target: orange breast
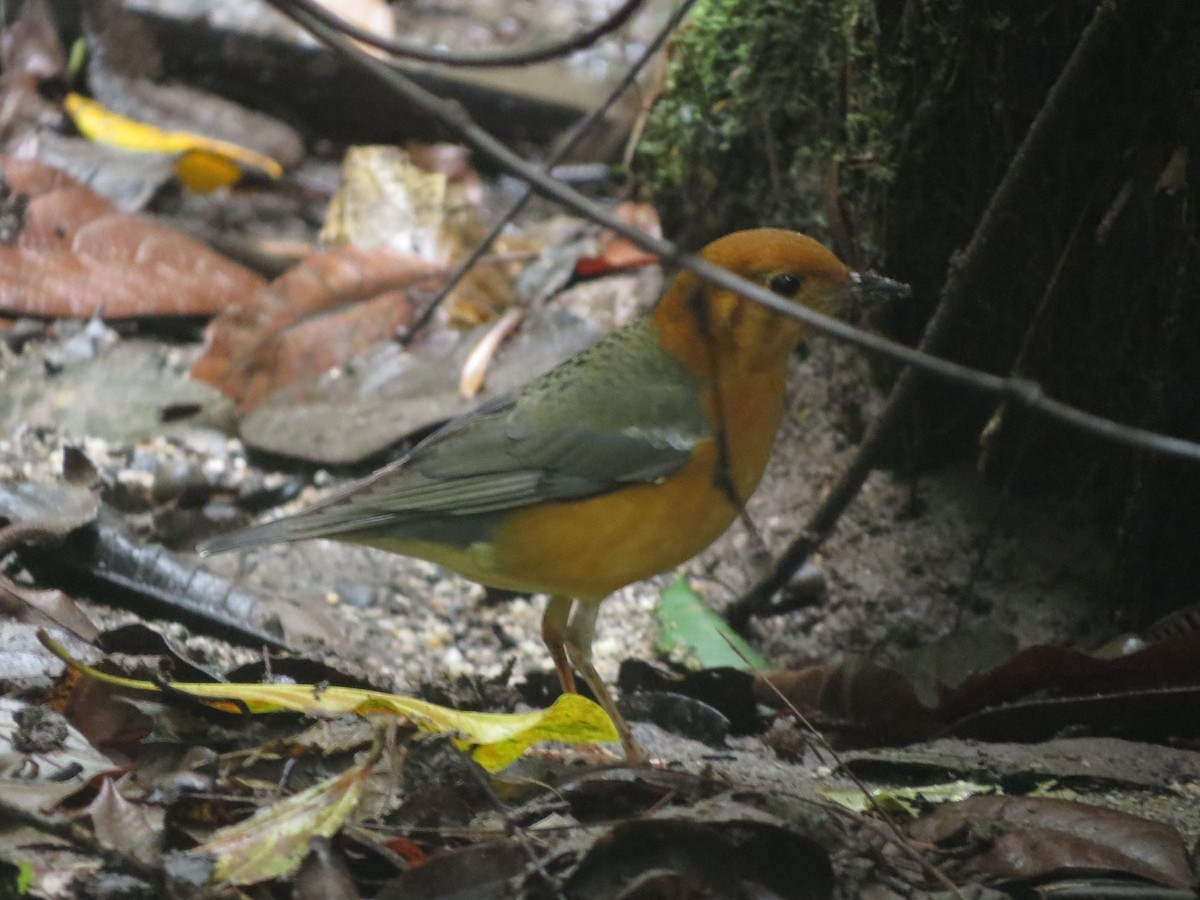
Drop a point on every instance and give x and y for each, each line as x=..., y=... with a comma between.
x=588, y=549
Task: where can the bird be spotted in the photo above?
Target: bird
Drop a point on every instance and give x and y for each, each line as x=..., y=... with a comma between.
x=620, y=463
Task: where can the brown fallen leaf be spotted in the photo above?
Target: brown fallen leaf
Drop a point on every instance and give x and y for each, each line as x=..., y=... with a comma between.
x=30, y=53
x=76, y=255
x=1063, y=671
x=861, y=700
x=135, y=829
x=1034, y=692
x=1036, y=837
x=322, y=313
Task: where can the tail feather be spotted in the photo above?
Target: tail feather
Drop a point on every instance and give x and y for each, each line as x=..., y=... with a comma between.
x=320, y=522
x=274, y=532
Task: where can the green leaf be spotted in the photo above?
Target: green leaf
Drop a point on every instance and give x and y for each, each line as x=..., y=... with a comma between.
x=692, y=634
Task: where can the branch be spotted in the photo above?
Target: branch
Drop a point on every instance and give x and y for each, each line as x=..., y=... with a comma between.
x=319, y=15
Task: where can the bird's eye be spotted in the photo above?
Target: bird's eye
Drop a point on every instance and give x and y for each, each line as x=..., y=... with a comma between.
x=786, y=284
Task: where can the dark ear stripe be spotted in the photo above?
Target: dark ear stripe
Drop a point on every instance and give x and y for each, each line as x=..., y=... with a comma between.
x=739, y=313
x=698, y=307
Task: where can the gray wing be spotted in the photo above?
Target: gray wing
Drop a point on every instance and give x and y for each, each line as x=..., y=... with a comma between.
x=620, y=413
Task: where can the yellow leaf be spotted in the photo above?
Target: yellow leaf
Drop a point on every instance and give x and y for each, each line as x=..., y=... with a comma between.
x=497, y=739
x=104, y=126
x=202, y=171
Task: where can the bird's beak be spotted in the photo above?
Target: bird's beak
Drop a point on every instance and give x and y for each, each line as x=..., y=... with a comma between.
x=875, y=288
x=866, y=292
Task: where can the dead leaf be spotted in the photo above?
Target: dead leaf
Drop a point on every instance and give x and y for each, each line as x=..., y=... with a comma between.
x=387, y=201
x=275, y=839
x=43, y=607
x=123, y=72
x=1036, y=837
x=615, y=253
x=98, y=711
x=1031, y=695
x=77, y=254
x=41, y=775
x=483, y=871
x=709, y=853
x=859, y=699
x=1062, y=671
x=320, y=314
x=134, y=829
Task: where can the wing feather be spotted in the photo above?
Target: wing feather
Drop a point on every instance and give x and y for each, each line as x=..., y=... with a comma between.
x=561, y=438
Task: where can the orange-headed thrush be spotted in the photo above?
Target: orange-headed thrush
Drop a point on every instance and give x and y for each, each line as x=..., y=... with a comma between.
x=618, y=464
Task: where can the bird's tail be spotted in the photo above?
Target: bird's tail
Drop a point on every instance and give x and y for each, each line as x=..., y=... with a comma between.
x=329, y=520
x=274, y=532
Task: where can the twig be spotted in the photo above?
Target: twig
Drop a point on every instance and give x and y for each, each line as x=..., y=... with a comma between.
x=463, y=59
x=964, y=274
x=569, y=143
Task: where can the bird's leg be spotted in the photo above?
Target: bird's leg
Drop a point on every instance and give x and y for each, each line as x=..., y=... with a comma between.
x=554, y=631
x=579, y=648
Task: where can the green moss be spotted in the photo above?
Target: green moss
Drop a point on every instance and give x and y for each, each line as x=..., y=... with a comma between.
x=879, y=127
x=768, y=101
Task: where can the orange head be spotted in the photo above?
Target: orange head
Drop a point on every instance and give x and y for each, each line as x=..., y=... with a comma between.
x=702, y=324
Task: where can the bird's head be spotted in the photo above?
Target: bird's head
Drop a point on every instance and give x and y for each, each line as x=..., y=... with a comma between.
x=698, y=319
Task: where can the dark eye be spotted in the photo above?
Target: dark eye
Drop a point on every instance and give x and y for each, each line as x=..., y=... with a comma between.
x=785, y=284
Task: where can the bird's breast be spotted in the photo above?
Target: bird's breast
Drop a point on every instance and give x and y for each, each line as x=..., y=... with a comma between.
x=590, y=548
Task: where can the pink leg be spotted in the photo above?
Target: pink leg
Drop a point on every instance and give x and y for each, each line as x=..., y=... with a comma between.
x=554, y=630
